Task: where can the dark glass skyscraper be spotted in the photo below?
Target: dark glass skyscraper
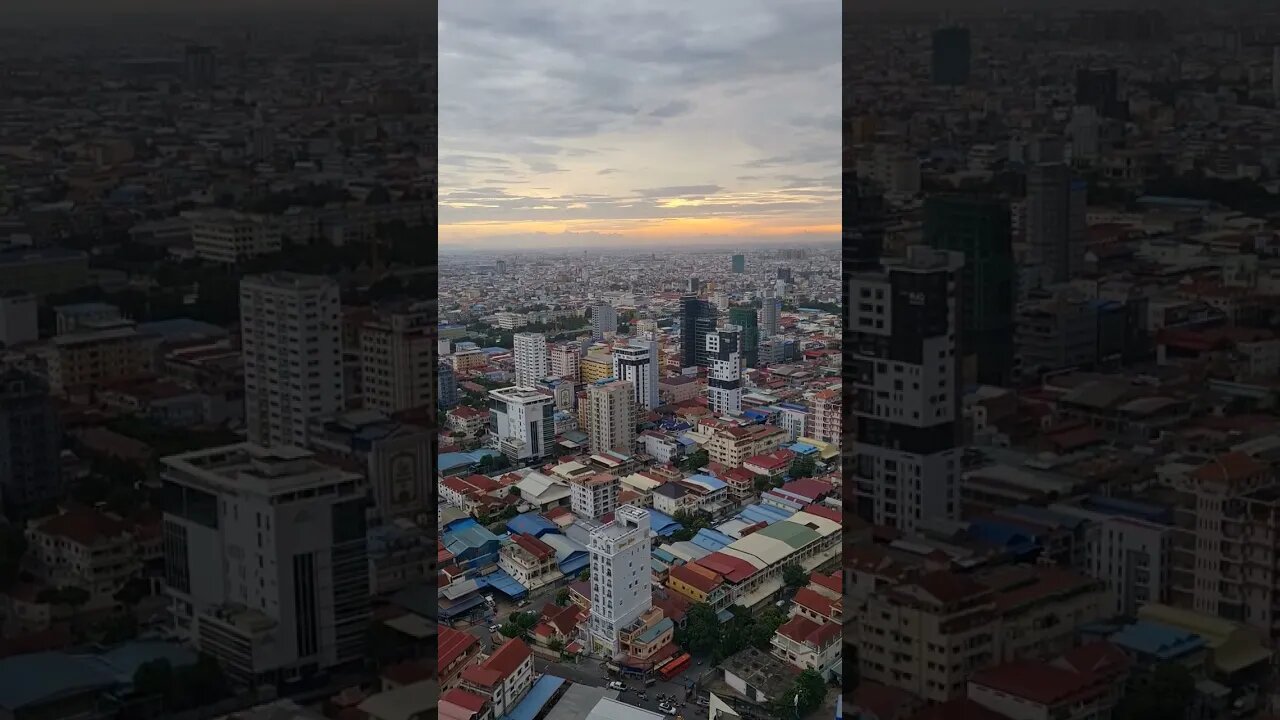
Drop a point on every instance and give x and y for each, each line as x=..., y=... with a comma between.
x=745, y=317
x=697, y=318
x=951, y=56
x=739, y=264
x=30, y=470
x=980, y=228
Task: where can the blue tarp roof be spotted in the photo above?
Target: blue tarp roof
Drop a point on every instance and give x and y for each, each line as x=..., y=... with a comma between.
x=1144, y=511
x=502, y=582
x=452, y=461
x=998, y=532
x=757, y=513
x=664, y=556
x=532, y=704
x=802, y=448
x=712, y=540
x=707, y=480
x=756, y=415
x=34, y=678
x=662, y=523
x=1159, y=641
x=531, y=523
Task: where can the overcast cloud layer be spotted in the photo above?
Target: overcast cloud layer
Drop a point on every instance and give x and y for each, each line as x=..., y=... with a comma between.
x=638, y=119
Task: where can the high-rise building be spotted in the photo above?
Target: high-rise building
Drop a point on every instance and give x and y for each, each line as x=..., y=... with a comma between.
x=566, y=361
x=745, y=318
x=724, y=371
x=1056, y=221
x=18, y=319
x=951, y=55
x=594, y=496
x=621, y=577
x=604, y=319
x=739, y=264
x=694, y=286
x=447, y=392
x=530, y=359
x=638, y=365
x=1100, y=88
x=501, y=267
x=265, y=560
x=826, y=416
x=1275, y=75
x=612, y=419
x=291, y=339
x=904, y=388
x=229, y=237
x=30, y=446
x=784, y=274
x=201, y=65
x=522, y=422
x=396, y=352
x=770, y=313
x=697, y=318
x=981, y=229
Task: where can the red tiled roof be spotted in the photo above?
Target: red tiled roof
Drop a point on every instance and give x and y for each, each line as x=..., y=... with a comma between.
x=451, y=644
x=83, y=526
x=958, y=709
x=734, y=569
x=1229, y=467
x=508, y=657
x=407, y=673
x=1039, y=682
x=1099, y=657
x=812, y=600
x=824, y=511
x=809, y=488
x=830, y=582
x=881, y=701
x=703, y=582
x=463, y=699
x=533, y=546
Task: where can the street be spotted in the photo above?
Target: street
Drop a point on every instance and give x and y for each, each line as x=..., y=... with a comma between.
x=589, y=672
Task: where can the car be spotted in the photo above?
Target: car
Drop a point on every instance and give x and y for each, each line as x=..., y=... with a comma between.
x=615, y=685
x=494, y=628
x=666, y=708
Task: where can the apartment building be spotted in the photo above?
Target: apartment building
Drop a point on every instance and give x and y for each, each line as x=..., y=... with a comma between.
x=291, y=338
x=732, y=446
x=596, y=366
x=1039, y=608
x=227, y=236
x=809, y=645
x=455, y=651
x=826, y=416
x=522, y=422
x=530, y=561
x=84, y=548
x=502, y=678
x=30, y=442
x=621, y=578
x=397, y=458
x=531, y=359
x=699, y=584
x=95, y=358
x=926, y=636
x=397, y=350
x=612, y=416
x=638, y=365
x=593, y=495
x=646, y=636
x=565, y=361
x=265, y=559
x=1225, y=542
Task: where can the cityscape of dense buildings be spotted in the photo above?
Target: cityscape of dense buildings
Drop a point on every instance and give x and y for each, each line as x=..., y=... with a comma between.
x=1059, y=234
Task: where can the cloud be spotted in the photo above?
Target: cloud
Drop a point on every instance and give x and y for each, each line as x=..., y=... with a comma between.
x=559, y=107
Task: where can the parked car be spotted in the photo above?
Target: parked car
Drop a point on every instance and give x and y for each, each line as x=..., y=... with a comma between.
x=667, y=708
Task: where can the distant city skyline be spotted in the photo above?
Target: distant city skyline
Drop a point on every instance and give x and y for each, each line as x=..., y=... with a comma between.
x=716, y=122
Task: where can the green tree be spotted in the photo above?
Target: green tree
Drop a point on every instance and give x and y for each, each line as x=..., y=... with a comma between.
x=562, y=597
x=701, y=632
x=1167, y=693
x=762, y=483
x=695, y=461
x=585, y=575
x=802, y=467
x=804, y=697
x=794, y=576
x=692, y=520
x=763, y=627
x=519, y=624
x=555, y=644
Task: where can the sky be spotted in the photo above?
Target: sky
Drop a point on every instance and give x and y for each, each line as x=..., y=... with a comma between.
x=569, y=124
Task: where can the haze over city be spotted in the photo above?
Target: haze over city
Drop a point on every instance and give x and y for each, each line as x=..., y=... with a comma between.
x=724, y=132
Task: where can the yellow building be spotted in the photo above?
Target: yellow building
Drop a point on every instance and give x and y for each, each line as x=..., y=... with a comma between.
x=732, y=446
x=596, y=366
x=466, y=360
x=650, y=633
x=99, y=357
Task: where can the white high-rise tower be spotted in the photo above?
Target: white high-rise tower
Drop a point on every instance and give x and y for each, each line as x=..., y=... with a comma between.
x=724, y=370
x=604, y=319
x=291, y=338
x=621, y=577
x=530, y=359
x=638, y=365
x=769, y=312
